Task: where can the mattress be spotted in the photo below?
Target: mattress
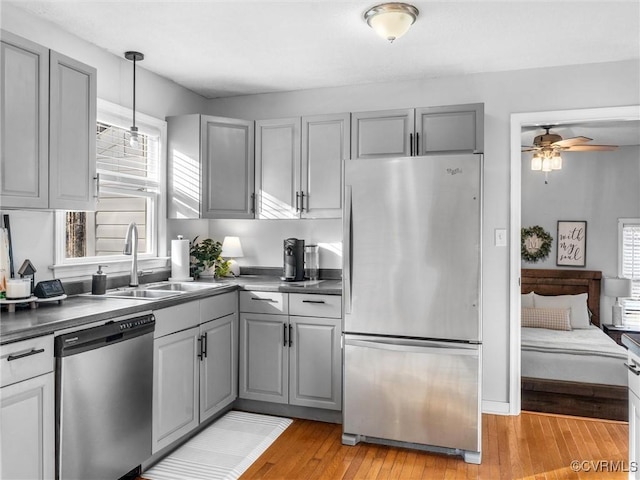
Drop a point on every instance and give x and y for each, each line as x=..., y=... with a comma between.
x=582, y=355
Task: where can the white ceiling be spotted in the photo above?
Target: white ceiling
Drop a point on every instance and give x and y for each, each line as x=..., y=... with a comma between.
x=225, y=48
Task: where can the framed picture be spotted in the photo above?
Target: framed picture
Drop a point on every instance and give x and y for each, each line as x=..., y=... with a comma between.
x=572, y=243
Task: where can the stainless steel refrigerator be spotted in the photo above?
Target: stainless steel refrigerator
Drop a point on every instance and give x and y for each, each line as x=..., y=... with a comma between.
x=412, y=312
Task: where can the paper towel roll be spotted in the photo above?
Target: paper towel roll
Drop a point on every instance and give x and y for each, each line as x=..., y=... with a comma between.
x=180, y=260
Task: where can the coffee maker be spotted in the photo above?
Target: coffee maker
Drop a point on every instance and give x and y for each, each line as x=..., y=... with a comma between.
x=293, y=260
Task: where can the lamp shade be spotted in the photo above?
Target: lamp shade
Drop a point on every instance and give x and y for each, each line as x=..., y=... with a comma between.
x=617, y=287
x=231, y=248
x=391, y=20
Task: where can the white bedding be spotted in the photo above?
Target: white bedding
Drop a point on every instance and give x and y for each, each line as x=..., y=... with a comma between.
x=579, y=355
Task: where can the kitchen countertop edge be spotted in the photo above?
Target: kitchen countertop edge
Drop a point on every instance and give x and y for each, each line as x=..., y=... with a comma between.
x=118, y=307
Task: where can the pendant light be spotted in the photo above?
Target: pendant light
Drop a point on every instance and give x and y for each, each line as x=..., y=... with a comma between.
x=133, y=132
x=391, y=20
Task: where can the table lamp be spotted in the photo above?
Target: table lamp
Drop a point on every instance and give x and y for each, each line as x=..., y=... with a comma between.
x=617, y=287
x=231, y=248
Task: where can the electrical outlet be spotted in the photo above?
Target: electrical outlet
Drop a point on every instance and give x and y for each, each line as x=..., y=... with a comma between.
x=501, y=237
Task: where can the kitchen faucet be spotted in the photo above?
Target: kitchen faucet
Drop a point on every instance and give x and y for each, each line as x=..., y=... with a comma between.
x=131, y=248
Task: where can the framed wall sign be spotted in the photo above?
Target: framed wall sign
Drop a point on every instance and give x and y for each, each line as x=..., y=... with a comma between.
x=572, y=243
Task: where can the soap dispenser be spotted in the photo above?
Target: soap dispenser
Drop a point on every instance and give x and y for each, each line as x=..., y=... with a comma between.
x=99, y=281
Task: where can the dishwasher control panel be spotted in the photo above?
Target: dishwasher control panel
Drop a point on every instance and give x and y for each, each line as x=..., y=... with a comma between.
x=137, y=322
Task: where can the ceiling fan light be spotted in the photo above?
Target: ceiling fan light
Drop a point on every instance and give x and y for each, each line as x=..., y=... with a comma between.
x=556, y=161
x=391, y=20
x=546, y=164
x=536, y=162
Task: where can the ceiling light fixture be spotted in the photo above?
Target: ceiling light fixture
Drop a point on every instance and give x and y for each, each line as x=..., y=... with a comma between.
x=133, y=132
x=391, y=20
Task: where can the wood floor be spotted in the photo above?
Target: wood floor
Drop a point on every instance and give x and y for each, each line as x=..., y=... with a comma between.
x=530, y=446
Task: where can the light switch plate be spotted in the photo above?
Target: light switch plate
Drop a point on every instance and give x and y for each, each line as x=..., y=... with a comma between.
x=501, y=237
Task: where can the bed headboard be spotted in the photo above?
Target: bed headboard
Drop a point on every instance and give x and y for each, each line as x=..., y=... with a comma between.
x=565, y=282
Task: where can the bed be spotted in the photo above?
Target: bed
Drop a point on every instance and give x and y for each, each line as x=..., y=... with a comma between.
x=577, y=370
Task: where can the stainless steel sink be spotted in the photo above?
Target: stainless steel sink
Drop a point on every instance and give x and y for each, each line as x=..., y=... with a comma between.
x=184, y=286
x=145, y=294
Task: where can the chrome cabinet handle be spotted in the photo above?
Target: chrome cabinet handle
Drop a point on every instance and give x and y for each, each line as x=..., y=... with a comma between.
x=297, y=201
x=633, y=368
x=33, y=351
x=290, y=335
x=302, y=202
x=204, y=344
x=313, y=301
x=284, y=334
x=200, y=354
x=271, y=300
x=411, y=144
x=417, y=144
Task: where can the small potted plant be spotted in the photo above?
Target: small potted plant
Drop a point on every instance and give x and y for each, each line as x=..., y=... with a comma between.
x=206, y=260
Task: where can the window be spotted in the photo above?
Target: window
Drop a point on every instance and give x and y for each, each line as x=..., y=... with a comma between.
x=129, y=190
x=629, y=265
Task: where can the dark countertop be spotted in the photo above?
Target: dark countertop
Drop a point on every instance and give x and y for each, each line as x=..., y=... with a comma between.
x=632, y=342
x=79, y=310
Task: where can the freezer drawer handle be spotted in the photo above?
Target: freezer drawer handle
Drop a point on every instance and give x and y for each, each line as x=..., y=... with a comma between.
x=313, y=301
x=264, y=299
x=414, y=347
x=633, y=368
x=22, y=355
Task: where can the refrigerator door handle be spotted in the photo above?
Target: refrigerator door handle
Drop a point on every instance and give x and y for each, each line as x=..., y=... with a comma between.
x=347, y=251
x=413, y=346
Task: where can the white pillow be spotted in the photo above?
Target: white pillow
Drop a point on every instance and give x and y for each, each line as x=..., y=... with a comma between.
x=577, y=304
x=526, y=300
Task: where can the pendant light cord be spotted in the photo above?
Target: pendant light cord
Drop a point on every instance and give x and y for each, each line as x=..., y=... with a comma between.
x=134, y=91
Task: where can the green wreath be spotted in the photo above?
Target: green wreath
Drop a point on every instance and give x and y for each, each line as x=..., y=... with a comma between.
x=535, y=244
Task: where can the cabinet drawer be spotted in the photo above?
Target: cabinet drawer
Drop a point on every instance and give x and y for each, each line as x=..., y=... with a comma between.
x=313, y=305
x=176, y=318
x=264, y=302
x=218, y=306
x=29, y=358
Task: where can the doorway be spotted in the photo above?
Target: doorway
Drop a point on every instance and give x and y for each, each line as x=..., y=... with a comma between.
x=518, y=122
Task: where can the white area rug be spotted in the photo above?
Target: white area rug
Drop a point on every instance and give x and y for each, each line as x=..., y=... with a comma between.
x=224, y=450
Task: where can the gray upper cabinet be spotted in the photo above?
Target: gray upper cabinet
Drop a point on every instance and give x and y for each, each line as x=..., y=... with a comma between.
x=210, y=167
x=325, y=144
x=421, y=131
x=278, y=168
x=299, y=166
x=48, y=116
x=72, y=130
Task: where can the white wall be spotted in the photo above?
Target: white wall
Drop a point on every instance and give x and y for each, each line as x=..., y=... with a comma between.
x=503, y=93
x=598, y=187
x=32, y=231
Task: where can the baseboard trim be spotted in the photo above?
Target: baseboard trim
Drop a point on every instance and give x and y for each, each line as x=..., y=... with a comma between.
x=496, y=408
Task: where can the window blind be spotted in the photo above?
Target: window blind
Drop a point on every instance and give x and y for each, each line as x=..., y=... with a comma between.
x=630, y=266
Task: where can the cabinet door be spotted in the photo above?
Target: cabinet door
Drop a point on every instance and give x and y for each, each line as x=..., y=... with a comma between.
x=315, y=359
x=325, y=144
x=634, y=433
x=386, y=133
x=175, y=386
x=72, y=142
x=219, y=365
x=24, y=123
x=27, y=436
x=264, y=357
x=227, y=168
x=450, y=129
x=278, y=168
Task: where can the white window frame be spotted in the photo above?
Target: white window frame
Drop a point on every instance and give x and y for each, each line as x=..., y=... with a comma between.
x=621, y=223
x=63, y=267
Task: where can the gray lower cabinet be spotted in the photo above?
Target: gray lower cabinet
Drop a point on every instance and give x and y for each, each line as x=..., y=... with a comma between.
x=195, y=365
x=27, y=436
x=295, y=359
x=417, y=132
x=48, y=117
x=210, y=167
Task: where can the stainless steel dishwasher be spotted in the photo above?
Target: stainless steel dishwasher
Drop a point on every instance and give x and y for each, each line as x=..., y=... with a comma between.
x=104, y=386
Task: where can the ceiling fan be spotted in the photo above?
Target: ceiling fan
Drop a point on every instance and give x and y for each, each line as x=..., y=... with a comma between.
x=556, y=142
x=548, y=146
